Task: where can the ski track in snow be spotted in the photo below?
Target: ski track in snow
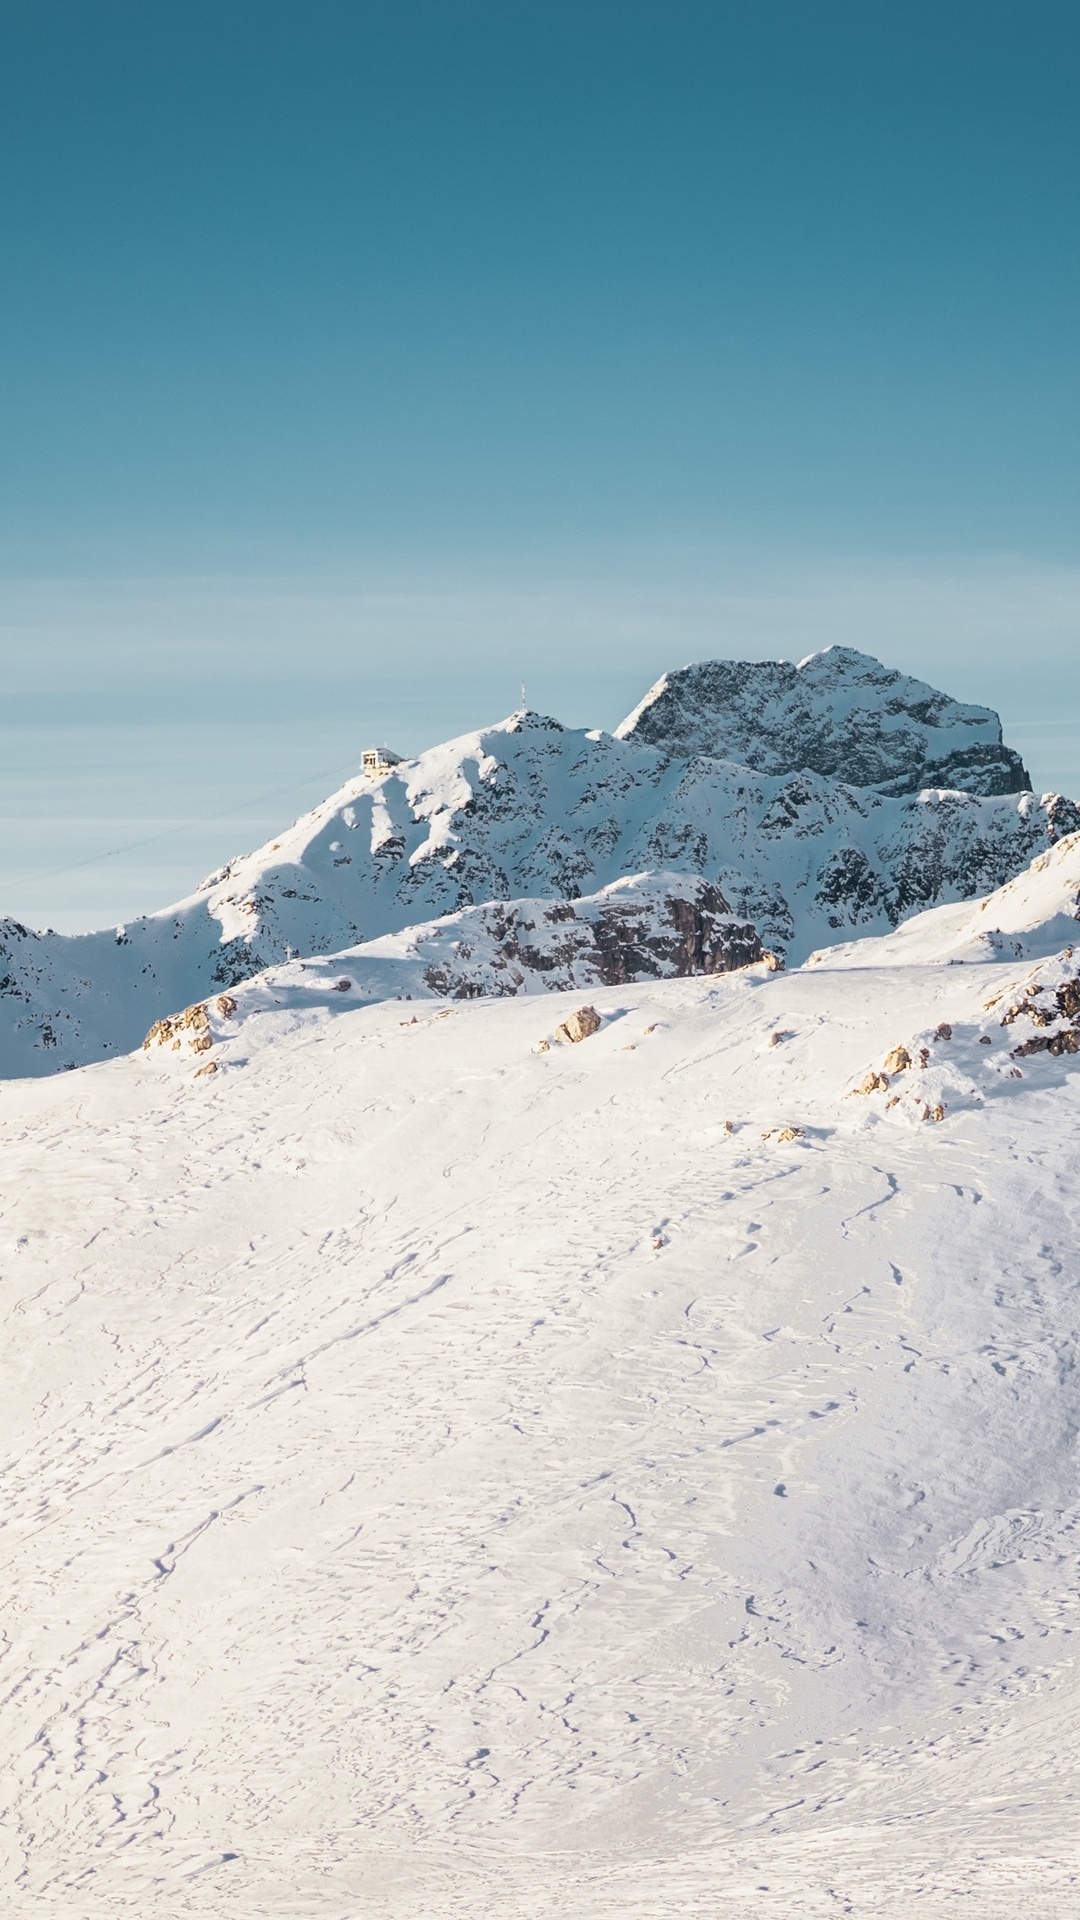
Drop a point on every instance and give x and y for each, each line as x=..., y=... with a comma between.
x=441, y=1476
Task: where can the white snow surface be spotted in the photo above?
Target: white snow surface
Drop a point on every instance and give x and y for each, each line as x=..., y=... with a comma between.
x=450, y=1474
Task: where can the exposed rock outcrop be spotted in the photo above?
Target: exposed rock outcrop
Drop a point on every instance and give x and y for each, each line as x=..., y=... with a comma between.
x=579, y=1026
x=657, y=927
x=960, y=1065
x=190, y=1029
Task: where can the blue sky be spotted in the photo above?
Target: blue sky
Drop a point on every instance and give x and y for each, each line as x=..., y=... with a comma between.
x=362, y=357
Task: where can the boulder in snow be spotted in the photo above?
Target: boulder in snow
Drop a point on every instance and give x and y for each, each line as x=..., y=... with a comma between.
x=579, y=1026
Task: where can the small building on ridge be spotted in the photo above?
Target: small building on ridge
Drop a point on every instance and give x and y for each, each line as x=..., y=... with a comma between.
x=378, y=760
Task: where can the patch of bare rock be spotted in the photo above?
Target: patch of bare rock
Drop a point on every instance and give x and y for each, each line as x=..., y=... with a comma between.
x=578, y=1027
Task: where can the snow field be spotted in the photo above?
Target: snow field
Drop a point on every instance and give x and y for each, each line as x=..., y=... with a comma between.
x=443, y=1475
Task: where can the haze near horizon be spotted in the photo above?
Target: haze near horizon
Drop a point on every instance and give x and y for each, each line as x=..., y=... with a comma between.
x=364, y=361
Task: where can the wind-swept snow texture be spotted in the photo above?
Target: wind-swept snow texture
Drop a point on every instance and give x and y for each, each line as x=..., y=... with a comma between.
x=838, y=712
x=521, y=811
x=449, y=1473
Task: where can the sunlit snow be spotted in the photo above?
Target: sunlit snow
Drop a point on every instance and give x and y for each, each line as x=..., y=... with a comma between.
x=454, y=1471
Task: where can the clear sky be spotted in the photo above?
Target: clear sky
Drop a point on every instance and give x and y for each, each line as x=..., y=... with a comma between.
x=363, y=357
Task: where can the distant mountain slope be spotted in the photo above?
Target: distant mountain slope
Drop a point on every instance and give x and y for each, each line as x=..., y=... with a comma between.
x=1030, y=917
x=523, y=810
x=654, y=927
x=840, y=713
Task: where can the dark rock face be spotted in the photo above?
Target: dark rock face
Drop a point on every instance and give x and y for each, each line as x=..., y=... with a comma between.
x=691, y=932
x=1062, y=817
x=840, y=713
x=656, y=929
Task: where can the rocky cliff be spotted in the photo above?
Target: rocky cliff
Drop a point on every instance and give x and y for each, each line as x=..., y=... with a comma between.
x=840, y=713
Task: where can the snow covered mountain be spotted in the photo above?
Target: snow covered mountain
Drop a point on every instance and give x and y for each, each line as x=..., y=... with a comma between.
x=840, y=713
x=468, y=1451
x=531, y=810
x=446, y=1471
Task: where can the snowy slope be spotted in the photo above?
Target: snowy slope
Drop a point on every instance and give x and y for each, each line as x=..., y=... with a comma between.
x=653, y=927
x=1034, y=915
x=838, y=712
x=447, y=1476
x=521, y=811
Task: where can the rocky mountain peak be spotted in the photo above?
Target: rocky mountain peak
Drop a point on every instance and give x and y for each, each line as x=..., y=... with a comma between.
x=529, y=810
x=839, y=713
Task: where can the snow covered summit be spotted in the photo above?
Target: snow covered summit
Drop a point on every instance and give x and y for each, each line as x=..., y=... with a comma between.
x=839, y=713
x=530, y=810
